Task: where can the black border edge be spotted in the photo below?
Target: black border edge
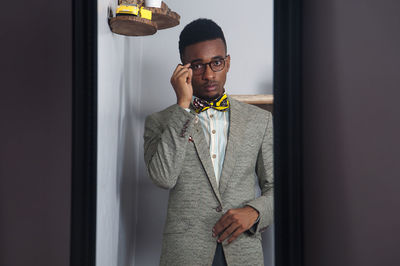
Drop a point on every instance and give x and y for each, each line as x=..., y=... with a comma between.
x=84, y=134
x=288, y=133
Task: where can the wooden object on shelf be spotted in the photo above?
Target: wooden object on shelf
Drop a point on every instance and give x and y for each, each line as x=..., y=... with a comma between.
x=264, y=101
x=130, y=2
x=164, y=17
x=132, y=26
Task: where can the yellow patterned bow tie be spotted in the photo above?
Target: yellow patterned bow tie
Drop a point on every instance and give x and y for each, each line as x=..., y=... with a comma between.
x=220, y=104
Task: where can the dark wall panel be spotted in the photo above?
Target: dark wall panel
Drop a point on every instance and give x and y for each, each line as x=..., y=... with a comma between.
x=35, y=152
x=351, y=64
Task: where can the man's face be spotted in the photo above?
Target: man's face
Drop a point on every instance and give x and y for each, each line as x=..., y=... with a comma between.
x=207, y=85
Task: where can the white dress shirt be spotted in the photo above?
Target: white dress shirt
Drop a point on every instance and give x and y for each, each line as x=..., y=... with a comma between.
x=216, y=129
x=215, y=126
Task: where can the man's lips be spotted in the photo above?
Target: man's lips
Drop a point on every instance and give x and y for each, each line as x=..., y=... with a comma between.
x=210, y=87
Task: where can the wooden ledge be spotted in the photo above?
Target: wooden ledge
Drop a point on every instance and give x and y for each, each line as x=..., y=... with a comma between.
x=132, y=26
x=254, y=99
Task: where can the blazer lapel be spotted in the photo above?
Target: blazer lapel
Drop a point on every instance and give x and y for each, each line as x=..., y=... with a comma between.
x=204, y=154
x=236, y=126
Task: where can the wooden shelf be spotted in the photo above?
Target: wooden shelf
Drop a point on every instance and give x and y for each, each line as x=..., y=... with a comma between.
x=132, y=26
x=255, y=99
x=162, y=18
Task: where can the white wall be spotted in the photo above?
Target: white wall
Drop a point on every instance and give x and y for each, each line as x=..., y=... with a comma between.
x=134, y=74
x=119, y=66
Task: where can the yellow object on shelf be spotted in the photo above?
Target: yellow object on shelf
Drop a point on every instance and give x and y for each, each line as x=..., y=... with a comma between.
x=145, y=13
x=127, y=10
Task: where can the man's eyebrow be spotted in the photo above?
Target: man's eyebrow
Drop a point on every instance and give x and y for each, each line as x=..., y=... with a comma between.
x=200, y=60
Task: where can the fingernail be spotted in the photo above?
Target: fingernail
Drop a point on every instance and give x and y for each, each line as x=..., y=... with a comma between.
x=213, y=234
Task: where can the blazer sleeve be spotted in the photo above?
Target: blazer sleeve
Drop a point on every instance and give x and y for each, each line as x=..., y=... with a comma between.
x=165, y=145
x=265, y=170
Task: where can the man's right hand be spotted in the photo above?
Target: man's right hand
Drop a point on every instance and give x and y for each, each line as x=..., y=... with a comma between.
x=181, y=81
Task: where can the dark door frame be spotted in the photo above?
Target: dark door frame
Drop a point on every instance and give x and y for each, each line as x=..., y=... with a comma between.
x=84, y=126
x=287, y=133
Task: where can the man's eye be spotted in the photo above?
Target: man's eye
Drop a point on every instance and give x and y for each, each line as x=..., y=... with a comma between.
x=217, y=63
x=197, y=66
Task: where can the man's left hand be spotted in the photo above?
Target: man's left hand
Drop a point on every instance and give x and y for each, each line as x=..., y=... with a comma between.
x=234, y=222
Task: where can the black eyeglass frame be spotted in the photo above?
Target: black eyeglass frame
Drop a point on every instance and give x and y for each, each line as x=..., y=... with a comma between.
x=209, y=64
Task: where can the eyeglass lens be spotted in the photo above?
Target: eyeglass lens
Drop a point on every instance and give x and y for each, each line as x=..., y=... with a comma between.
x=216, y=65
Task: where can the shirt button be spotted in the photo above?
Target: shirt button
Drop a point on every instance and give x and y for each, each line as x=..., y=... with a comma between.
x=213, y=131
x=211, y=116
x=219, y=208
x=214, y=156
x=196, y=120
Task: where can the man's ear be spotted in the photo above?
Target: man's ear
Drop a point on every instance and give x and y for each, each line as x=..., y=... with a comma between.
x=228, y=62
x=182, y=59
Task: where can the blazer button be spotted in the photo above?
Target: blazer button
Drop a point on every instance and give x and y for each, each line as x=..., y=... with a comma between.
x=219, y=208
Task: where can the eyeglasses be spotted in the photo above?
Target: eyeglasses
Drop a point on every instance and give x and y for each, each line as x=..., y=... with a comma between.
x=216, y=65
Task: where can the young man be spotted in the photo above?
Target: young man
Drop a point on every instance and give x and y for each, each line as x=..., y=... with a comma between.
x=209, y=151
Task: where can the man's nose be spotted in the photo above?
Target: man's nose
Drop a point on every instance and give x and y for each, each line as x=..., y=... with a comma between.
x=208, y=74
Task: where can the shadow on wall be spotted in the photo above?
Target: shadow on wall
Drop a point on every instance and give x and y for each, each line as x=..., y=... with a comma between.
x=127, y=161
x=158, y=93
x=265, y=87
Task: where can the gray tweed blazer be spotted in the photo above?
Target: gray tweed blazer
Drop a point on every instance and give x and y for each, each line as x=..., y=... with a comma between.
x=178, y=158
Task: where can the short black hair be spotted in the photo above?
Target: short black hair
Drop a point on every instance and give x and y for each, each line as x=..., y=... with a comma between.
x=199, y=30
